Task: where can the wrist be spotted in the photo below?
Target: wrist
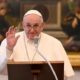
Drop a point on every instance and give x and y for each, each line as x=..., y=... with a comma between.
x=9, y=48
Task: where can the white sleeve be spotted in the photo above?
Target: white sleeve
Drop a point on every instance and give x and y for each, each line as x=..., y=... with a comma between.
x=68, y=70
x=70, y=78
x=3, y=59
x=5, y=50
x=4, y=56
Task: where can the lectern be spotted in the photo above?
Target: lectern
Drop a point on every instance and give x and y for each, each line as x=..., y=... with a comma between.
x=36, y=70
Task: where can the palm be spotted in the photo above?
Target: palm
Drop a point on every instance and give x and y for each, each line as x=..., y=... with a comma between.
x=11, y=39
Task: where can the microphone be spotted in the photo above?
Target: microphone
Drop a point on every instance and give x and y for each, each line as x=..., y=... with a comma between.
x=36, y=38
x=36, y=46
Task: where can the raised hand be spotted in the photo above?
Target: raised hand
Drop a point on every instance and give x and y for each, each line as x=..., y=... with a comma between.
x=11, y=39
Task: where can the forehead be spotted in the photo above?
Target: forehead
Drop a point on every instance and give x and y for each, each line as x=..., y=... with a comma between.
x=32, y=18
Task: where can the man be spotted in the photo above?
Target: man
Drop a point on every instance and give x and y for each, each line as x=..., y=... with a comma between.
x=26, y=45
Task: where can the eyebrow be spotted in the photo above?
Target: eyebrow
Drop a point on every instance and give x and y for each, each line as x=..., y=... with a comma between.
x=33, y=24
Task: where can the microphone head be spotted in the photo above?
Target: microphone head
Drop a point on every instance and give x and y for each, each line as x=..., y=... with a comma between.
x=36, y=38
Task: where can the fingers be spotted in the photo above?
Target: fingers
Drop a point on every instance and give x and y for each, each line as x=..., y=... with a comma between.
x=12, y=30
x=11, y=38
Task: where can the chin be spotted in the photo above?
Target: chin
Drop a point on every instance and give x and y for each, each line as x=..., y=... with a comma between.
x=30, y=37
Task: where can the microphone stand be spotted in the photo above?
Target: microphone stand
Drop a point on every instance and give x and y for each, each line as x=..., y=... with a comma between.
x=53, y=71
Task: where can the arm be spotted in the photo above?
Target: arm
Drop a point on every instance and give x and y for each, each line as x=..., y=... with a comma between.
x=3, y=59
x=68, y=70
x=4, y=44
x=10, y=41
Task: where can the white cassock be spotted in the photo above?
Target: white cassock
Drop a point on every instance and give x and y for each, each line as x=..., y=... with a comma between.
x=3, y=60
x=50, y=47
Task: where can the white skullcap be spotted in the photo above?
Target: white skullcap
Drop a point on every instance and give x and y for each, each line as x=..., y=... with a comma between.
x=34, y=12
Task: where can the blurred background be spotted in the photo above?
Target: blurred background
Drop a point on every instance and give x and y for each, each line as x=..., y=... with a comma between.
x=61, y=16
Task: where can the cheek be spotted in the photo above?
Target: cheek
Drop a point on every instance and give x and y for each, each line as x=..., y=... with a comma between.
x=40, y=29
x=25, y=29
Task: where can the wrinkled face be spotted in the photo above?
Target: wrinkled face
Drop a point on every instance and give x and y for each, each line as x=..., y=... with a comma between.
x=32, y=25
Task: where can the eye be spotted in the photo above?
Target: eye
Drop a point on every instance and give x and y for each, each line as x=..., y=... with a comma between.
x=36, y=25
x=28, y=25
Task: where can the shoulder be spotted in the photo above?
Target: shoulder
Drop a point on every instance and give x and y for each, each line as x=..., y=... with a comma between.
x=4, y=43
x=50, y=38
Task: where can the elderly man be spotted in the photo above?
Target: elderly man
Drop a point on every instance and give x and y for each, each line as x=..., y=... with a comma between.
x=28, y=44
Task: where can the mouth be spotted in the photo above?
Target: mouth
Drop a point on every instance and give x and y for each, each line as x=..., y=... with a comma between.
x=31, y=35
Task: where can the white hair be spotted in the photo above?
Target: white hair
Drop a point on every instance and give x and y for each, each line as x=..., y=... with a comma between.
x=34, y=12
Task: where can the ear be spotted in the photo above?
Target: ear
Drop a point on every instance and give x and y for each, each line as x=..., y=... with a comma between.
x=44, y=25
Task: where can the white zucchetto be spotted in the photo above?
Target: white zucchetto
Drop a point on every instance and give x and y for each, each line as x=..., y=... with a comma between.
x=34, y=12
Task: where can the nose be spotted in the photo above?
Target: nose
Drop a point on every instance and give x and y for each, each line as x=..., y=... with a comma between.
x=32, y=29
